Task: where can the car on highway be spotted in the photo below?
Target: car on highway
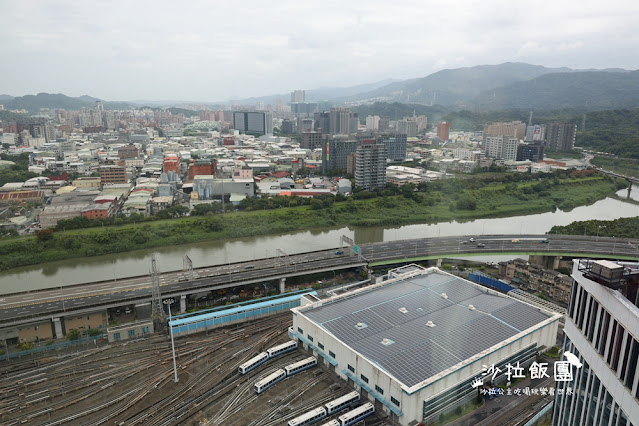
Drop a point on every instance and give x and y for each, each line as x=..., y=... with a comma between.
x=464, y=242
x=249, y=267
x=545, y=241
x=481, y=245
x=127, y=311
x=516, y=240
x=472, y=240
x=338, y=252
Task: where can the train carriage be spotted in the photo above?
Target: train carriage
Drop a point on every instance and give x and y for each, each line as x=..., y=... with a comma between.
x=356, y=414
x=270, y=380
x=253, y=363
x=280, y=349
x=341, y=402
x=308, y=418
x=296, y=367
x=331, y=423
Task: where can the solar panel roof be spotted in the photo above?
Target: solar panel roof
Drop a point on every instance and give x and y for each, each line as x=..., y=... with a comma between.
x=417, y=351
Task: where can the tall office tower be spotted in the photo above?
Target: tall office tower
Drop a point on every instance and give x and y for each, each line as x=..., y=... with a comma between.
x=443, y=130
x=501, y=147
x=335, y=151
x=253, y=122
x=372, y=122
x=407, y=127
x=535, y=133
x=395, y=146
x=384, y=124
x=533, y=151
x=515, y=129
x=311, y=140
x=560, y=136
x=370, y=165
x=289, y=126
x=304, y=125
x=602, y=332
x=339, y=121
x=298, y=96
x=304, y=109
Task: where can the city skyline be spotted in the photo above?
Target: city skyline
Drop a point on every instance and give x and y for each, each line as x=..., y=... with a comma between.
x=218, y=53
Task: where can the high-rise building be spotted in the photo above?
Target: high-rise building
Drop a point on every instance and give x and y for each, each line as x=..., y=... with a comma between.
x=253, y=122
x=395, y=146
x=304, y=109
x=443, y=130
x=298, y=96
x=335, y=151
x=289, y=126
x=601, y=382
x=535, y=133
x=515, y=129
x=311, y=140
x=372, y=122
x=337, y=121
x=304, y=125
x=407, y=127
x=533, y=151
x=370, y=165
x=501, y=147
x=113, y=174
x=560, y=136
x=422, y=122
x=384, y=124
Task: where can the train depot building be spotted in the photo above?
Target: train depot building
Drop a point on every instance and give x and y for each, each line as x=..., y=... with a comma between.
x=414, y=344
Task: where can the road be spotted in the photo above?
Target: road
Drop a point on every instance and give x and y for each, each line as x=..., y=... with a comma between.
x=26, y=306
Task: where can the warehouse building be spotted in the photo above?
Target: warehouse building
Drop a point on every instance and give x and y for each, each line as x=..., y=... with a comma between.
x=414, y=344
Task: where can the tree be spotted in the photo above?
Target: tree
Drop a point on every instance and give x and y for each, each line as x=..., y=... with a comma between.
x=73, y=334
x=44, y=234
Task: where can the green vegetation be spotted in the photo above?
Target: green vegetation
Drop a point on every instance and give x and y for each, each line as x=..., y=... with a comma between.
x=612, y=131
x=17, y=172
x=627, y=227
x=74, y=334
x=553, y=352
x=26, y=346
x=560, y=155
x=623, y=166
x=425, y=203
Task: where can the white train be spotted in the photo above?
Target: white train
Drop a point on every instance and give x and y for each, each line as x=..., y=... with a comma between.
x=253, y=363
x=356, y=414
x=289, y=370
x=298, y=366
x=270, y=380
x=331, y=423
x=308, y=418
x=265, y=356
x=328, y=409
x=280, y=349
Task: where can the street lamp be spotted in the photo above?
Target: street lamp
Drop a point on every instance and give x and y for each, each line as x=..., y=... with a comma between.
x=168, y=302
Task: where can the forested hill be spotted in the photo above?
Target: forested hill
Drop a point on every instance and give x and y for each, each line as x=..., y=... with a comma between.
x=616, y=132
x=626, y=227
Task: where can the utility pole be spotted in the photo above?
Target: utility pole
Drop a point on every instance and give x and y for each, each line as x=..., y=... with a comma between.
x=157, y=313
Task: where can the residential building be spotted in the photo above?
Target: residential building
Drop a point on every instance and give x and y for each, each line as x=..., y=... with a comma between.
x=128, y=151
x=202, y=167
x=407, y=127
x=422, y=122
x=370, y=165
x=395, y=146
x=501, y=147
x=384, y=124
x=515, y=129
x=172, y=164
x=311, y=140
x=601, y=383
x=298, y=96
x=253, y=122
x=113, y=174
x=289, y=126
x=443, y=130
x=372, y=122
x=337, y=121
x=415, y=343
x=536, y=278
x=97, y=211
x=560, y=136
x=536, y=133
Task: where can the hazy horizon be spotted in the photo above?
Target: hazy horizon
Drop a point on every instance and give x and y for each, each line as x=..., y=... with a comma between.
x=202, y=52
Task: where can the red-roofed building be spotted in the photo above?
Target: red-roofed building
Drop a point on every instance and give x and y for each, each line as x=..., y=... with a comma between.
x=172, y=163
x=280, y=175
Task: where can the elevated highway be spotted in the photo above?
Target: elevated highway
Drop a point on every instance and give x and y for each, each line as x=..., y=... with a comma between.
x=23, y=308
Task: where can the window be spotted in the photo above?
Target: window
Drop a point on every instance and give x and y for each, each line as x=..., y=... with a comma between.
x=320, y=346
x=379, y=390
x=351, y=368
x=331, y=353
x=116, y=335
x=300, y=331
x=131, y=333
x=364, y=378
x=310, y=338
x=145, y=329
x=394, y=401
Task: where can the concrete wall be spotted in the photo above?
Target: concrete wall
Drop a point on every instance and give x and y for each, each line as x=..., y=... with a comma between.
x=33, y=332
x=84, y=322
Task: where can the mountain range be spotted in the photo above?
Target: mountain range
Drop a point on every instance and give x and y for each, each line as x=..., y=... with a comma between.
x=483, y=87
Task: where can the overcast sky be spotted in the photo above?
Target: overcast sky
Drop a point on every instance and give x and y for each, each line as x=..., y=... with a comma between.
x=221, y=50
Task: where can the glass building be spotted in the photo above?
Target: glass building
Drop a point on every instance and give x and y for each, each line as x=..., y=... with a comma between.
x=602, y=331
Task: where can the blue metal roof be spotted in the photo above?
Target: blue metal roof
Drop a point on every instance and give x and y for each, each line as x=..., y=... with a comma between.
x=238, y=309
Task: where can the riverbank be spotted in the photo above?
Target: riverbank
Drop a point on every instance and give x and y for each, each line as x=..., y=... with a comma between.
x=627, y=227
x=495, y=200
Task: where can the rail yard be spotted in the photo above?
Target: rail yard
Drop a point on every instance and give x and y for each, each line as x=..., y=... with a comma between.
x=132, y=383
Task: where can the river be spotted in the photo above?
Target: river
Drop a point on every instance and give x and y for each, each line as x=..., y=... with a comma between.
x=120, y=265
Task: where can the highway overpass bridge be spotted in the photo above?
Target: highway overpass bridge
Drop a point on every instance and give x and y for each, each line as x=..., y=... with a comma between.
x=52, y=305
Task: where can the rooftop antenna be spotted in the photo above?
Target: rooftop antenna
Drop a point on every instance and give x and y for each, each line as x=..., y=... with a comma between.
x=530, y=118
